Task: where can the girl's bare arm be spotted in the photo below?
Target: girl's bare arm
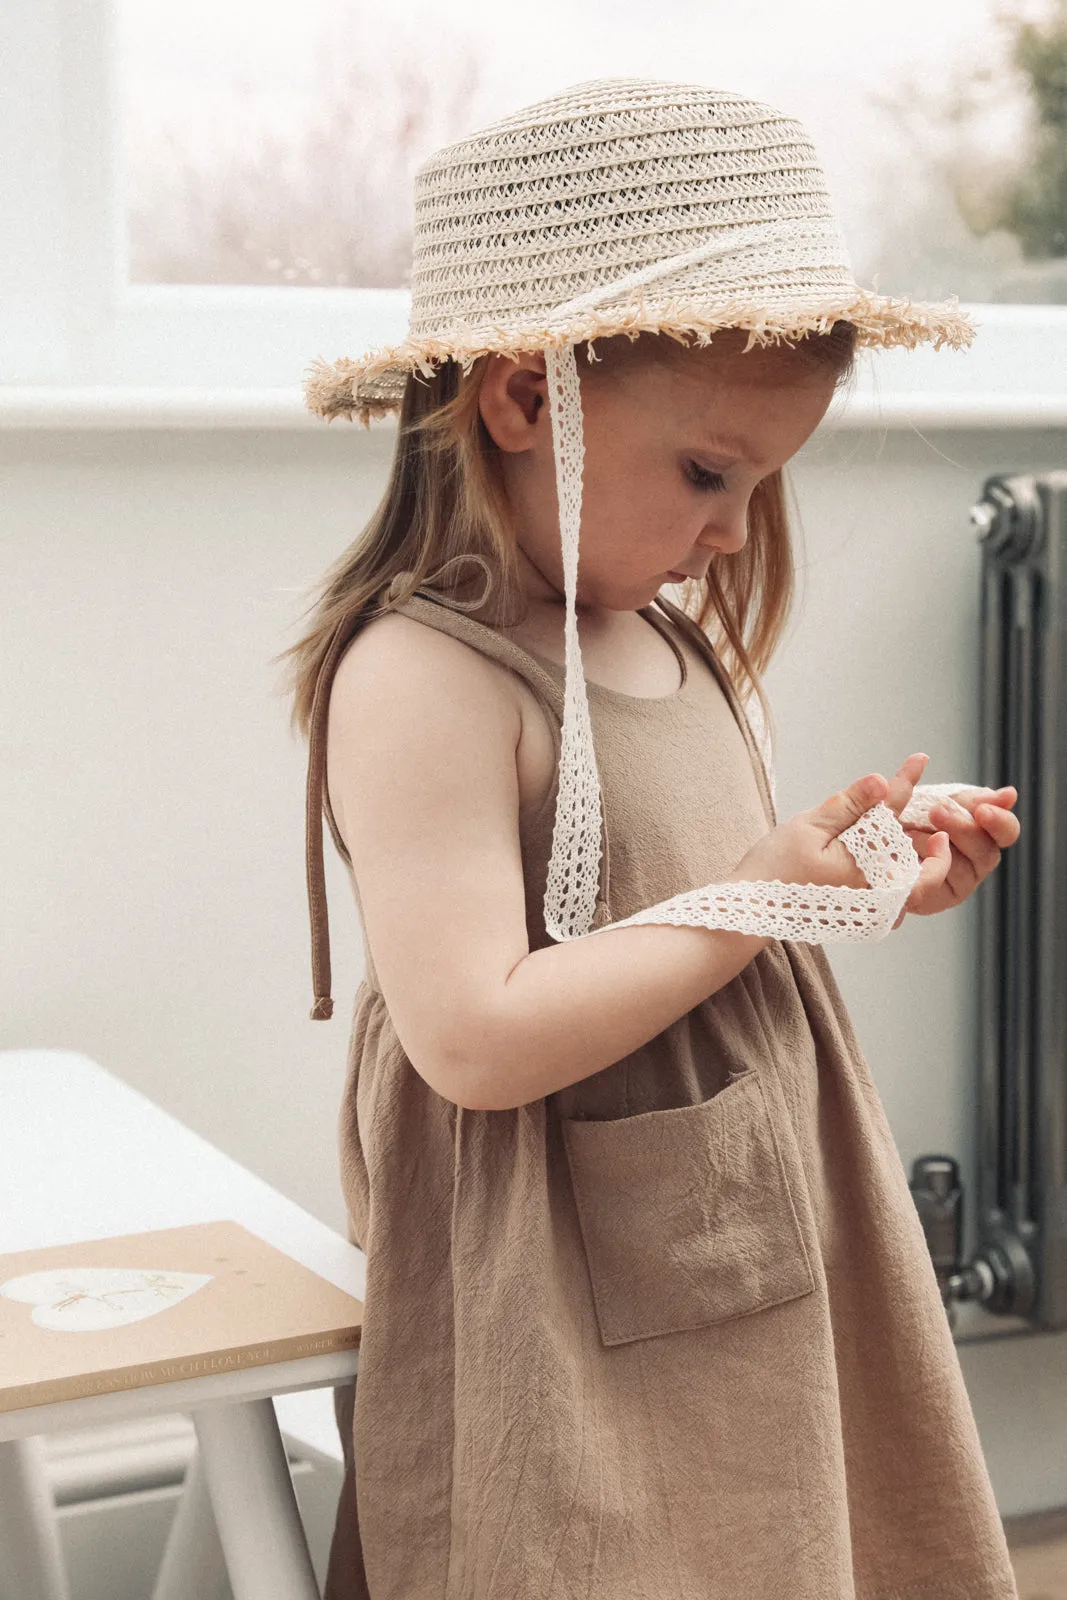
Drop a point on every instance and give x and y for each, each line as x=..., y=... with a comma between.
x=422, y=775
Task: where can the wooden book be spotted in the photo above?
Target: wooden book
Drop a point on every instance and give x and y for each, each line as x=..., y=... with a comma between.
x=148, y=1308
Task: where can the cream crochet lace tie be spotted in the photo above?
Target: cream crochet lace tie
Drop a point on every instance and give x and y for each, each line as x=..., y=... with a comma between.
x=813, y=913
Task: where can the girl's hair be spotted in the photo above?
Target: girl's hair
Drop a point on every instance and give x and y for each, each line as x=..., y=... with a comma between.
x=445, y=505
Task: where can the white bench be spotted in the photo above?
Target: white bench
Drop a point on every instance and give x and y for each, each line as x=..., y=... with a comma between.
x=84, y=1156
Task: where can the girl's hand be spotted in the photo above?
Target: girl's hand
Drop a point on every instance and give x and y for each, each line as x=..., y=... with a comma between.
x=966, y=848
x=807, y=849
x=972, y=833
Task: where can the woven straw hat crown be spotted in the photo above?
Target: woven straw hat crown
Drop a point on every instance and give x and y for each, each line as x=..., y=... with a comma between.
x=615, y=206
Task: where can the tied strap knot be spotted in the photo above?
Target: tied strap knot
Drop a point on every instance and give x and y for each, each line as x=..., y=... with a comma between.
x=399, y=582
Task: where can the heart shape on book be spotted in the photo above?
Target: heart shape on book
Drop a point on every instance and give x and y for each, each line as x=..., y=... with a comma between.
x=88, y=1299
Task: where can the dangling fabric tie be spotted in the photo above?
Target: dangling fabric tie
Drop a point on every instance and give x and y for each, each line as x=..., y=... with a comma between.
x=322, y=1007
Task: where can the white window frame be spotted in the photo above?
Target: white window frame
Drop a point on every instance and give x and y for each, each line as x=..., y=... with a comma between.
x=80, y=346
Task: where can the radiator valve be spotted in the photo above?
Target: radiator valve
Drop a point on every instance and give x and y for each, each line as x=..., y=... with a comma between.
x=1001, y=1275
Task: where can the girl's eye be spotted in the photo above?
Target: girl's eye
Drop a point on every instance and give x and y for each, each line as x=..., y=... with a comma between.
x=700, y=478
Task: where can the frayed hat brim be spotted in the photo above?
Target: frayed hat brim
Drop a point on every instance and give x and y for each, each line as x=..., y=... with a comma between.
x=374, y=386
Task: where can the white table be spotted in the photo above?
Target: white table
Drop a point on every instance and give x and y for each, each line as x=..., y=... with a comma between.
x=84, y=1156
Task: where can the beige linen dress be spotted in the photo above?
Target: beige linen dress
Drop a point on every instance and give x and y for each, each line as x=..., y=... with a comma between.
x=672, y=1333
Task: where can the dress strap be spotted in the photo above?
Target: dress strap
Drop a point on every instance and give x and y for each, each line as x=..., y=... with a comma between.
x=439, y=612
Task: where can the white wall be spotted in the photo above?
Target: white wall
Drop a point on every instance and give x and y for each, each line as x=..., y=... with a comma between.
x=153, y=798
x=152, y=848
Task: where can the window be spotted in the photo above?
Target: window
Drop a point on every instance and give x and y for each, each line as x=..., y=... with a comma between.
x=101, y=273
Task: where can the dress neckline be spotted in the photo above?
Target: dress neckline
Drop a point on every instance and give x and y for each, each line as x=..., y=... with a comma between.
x=557, y=669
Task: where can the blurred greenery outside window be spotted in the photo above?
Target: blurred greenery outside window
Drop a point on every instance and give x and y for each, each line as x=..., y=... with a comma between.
x=977, y=171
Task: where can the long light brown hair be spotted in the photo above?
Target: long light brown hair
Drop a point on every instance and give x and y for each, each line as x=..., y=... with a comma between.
x=445, y=506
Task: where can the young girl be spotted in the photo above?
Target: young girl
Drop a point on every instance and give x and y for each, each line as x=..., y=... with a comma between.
x=650, y=1313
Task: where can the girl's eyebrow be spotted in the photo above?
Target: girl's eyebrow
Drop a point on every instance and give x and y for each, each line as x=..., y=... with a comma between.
x=732, y=446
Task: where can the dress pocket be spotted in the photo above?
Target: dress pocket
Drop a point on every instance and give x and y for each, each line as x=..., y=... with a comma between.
x=686, y=1214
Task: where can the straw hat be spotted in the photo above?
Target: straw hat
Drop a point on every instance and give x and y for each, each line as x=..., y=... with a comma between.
x=629, y=205
x=623, y=204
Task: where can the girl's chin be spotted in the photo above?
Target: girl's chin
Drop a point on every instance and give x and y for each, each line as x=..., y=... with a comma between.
x=625, y=600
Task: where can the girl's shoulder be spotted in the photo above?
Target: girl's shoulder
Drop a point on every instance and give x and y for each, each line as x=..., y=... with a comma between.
x=392, y=655
x=402, y=680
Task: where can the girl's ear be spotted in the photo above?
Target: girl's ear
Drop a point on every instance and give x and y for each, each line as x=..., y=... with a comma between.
x=513, y=398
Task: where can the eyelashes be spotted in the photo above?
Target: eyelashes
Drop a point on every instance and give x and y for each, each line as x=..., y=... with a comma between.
x=702, y=479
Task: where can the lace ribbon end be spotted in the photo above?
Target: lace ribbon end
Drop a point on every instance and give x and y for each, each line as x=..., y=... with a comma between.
x=322, y=1010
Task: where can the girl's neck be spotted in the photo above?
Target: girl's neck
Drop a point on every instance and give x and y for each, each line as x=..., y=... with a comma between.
x=545, y=603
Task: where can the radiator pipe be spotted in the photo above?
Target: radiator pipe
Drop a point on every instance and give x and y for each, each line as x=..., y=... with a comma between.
x=1001, y=1275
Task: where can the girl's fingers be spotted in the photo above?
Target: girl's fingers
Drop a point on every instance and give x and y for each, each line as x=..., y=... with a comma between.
x=932, y=873
x=903, y=782
x=913, y=767
x=970, y=844
x=970, y=799
x=979, y=837
x=848, y=805
x=1002, y=824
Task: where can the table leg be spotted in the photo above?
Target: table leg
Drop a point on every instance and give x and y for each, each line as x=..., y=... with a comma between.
x=193, y=1565
x=252, y=1497
x=31, y=1558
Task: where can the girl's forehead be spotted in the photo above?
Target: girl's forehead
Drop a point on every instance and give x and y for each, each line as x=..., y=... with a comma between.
x=714, y=365
x=730, y=387
x=707, y=371
x=736, y=421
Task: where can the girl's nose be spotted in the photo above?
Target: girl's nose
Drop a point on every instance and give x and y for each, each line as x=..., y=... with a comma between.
x=727, y=539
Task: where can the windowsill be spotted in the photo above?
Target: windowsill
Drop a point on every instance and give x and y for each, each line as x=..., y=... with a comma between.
x=115, y=406
x=214, y=356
